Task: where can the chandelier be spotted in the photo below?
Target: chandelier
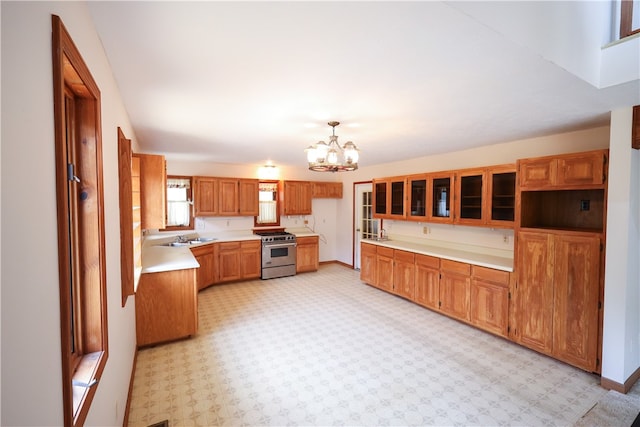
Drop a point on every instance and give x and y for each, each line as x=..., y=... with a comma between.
x=332, y=157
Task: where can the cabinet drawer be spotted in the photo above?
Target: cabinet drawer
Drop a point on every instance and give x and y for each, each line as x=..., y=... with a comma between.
x=428, y=261
x=368, y=248
x=455, y=267
x=404, y=256
x=229, y=246
x=251, y=244
x=388, y=252
x=490, y=275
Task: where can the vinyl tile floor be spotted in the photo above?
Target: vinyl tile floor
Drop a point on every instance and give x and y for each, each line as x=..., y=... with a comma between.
x=323, y=348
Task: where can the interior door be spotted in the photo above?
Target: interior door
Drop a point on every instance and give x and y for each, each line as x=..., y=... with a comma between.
x=365, y=225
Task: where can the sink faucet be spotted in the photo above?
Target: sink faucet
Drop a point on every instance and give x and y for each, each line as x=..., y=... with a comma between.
x=181, y=239
x=383, y=233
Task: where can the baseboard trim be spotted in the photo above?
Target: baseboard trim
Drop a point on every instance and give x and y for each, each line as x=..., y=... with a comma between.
x=335, y=261
x=621, y=388
x=125, y=421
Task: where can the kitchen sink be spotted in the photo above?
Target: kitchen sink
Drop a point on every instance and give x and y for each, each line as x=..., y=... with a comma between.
x=176, y=244
x=202, y=239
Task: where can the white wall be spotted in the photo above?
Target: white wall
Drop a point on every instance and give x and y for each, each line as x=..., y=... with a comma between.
x=621, y=338
x=31, y=355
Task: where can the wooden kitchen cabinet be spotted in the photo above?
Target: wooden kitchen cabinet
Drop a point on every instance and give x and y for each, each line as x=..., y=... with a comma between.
x=384, y=268
x=250, y=259
x=389, y=198
x=455, y=284
x=296, y=198
x=559, y=286
x=248, y=197
x=207, y=257
x=326, y=190
x=153, y=190
x=440, y=196
x=427, y=281
x=228, y=261
x=307, y=256
x=417, y=194
x=489, y=300
x=486, y=196
x=205, y=196
x=404, y=273
x=368, y=266
x=575, y=170
x=239, y=260
x=166, y=306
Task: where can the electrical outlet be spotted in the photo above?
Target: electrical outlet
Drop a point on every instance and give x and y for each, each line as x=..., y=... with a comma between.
x=306, y=222
x=425, y=230
x=505, y=239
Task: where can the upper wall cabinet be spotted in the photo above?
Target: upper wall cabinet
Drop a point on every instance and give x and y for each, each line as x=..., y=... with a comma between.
x=486, y=196
x=578, y=170
x=326, y=190
x=153, y=190
x=296, y=197
x=441, y=195
x=225, y=196
x=389, y=198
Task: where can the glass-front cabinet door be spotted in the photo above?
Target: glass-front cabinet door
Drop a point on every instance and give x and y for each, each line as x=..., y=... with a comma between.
x=441, y=196
x=389, y=198
x=417, y=188
x=397, y=198
x=471, y=197
x=502, y=191
x=380, y=198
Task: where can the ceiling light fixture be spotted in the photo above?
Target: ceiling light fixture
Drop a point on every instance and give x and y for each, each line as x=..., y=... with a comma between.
x=332, y=157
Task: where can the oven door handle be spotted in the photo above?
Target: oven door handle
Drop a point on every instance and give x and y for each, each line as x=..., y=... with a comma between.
x=281, y=245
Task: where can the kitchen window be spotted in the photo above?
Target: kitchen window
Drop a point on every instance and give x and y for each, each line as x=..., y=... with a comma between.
x=268, y=214
x=179, y=202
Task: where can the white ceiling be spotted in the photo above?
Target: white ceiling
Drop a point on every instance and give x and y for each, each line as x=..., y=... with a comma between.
x=240, y=82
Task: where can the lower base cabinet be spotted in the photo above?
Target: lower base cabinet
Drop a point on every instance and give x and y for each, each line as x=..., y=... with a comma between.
x=207, y=257
x=427, y=281
x=455, y=288
x=558, y=295
x=166, y=306
x=490, y=296
x=239, y=260
x=307, y=256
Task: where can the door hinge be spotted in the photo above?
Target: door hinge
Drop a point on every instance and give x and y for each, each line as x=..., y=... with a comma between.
x=71, y=173
x=508, y=329
x=439, y=304
x=599, y=305
x=601, y=246
x=597, y=361
x=509, y=295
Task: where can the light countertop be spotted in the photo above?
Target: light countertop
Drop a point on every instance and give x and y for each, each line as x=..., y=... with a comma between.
x=454, y=254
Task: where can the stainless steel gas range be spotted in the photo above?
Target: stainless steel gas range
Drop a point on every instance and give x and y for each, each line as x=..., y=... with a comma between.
x=278, y=254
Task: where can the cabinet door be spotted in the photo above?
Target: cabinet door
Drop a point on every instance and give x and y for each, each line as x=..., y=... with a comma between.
x=397, y=198
x=581, y=169
x=297, y=198
x=470, y=206
x=427, y=281
x=404, y=273
x=153, y=190
x=501, y=183
x=384, y=267
x=248, y=197
x=307, y=254
x=368, y=263
x=228, y=200
x=229, y=261
x=326, y=190
x=490, y=306
x=250, y=260
x=575, y=300
x=534, y=316
x=454, y=295
x=441, y=196
x=417, y=189
x=204, y=274
x=380, y=192
x=537, y=173
x=205, y=196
